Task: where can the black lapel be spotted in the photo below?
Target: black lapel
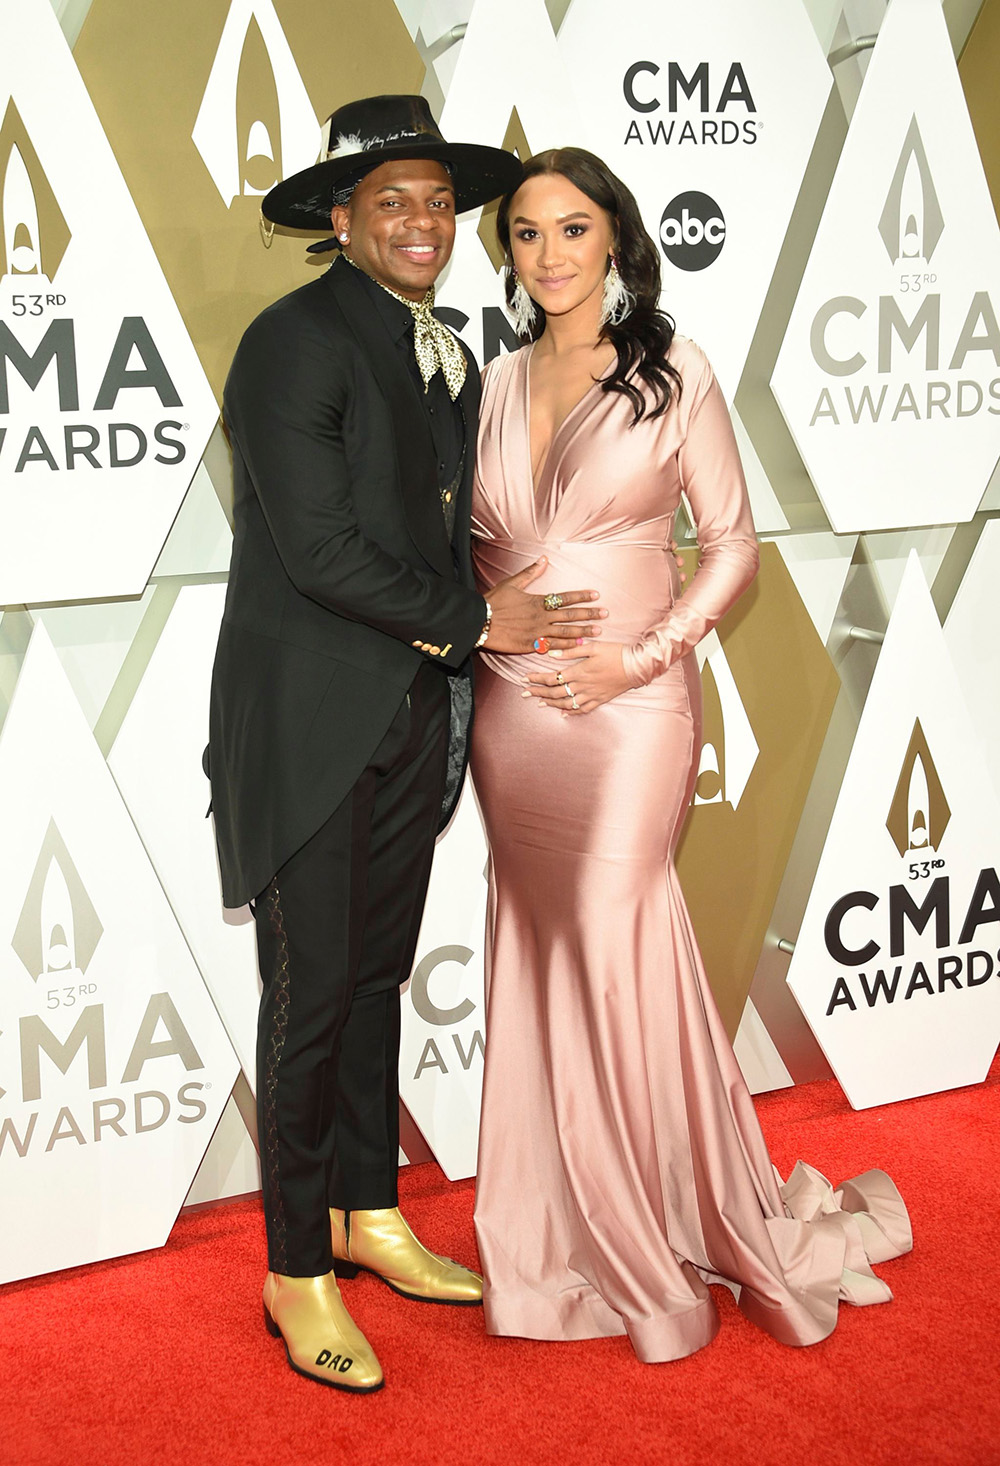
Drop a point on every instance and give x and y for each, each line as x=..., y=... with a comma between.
x=416, y=461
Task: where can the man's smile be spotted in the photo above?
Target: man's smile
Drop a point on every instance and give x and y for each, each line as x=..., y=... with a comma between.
x=420, y=253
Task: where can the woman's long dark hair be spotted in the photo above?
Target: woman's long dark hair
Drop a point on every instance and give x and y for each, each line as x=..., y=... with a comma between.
x=643, y=338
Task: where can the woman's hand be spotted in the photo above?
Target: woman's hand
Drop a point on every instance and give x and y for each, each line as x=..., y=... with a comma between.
x=588, y=677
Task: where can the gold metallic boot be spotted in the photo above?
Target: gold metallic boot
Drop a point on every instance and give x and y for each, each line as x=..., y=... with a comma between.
x=382, y=1243
x=322, y=1341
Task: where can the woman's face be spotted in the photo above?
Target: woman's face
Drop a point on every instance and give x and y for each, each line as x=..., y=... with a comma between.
x=560, y=241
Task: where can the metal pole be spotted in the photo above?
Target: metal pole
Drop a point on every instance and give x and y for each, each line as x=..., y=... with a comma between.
x=444, y=43
x=844, y=53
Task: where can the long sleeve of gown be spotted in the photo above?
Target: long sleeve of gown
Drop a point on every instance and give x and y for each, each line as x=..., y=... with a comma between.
x=711, y=476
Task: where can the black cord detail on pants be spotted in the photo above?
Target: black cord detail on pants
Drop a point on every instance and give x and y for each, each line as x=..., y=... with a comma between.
x=275, y=1047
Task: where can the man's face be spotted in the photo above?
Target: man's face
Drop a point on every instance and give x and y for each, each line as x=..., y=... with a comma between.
x=401, y=224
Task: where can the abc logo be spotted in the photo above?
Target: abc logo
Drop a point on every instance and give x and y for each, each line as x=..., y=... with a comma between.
x=692, y=231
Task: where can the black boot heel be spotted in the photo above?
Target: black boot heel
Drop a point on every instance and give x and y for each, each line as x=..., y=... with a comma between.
x=270, y=1324
x=344, y=1269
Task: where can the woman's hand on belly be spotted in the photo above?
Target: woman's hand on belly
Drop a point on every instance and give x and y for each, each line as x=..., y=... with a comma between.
x=588, y=677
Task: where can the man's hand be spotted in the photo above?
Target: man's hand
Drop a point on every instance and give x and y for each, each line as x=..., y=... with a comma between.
x=519, y=619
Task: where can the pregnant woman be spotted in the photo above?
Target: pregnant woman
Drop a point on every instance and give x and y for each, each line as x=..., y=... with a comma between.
x=621, y=1167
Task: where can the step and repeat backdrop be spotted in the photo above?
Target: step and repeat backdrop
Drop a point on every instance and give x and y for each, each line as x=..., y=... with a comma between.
x=817, y=175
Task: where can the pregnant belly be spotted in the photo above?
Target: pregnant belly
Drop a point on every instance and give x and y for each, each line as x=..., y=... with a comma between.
x=614, y=785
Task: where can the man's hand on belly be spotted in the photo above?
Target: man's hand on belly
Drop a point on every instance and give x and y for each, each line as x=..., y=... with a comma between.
x=562, y=619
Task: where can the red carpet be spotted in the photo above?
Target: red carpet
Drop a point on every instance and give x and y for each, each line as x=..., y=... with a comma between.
x=162, y=1358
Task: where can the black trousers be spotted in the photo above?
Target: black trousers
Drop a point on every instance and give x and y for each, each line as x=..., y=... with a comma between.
x=336, y=932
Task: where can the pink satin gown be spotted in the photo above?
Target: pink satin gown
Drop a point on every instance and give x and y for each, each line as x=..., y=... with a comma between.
x=621, y=1166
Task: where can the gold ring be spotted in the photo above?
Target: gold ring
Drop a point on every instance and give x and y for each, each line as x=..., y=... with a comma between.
x=552, y=601
x=560, y=678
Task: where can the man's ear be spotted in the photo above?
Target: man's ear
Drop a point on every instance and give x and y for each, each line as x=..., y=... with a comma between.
x=340, y=219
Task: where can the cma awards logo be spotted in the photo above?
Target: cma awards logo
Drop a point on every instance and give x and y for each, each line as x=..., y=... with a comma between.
x=900, y=331
x=719, y=105
x=41, y=341
x=917, y=914
x=56, y=937
x=256, y=124
x=729, y=749
x=33, y=233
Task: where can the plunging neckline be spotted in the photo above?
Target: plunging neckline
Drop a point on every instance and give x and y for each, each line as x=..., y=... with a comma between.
x=533, y=479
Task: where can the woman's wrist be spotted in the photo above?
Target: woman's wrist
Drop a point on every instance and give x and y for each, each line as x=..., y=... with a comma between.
x=634, y=664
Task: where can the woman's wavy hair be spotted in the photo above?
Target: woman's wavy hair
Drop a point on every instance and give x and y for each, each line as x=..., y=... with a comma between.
x=643, y=338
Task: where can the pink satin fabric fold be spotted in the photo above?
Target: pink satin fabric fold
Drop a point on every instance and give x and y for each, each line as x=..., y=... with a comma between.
x=622, y=1168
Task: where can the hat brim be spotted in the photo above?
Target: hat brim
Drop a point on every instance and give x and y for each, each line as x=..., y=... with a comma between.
x=303, y=201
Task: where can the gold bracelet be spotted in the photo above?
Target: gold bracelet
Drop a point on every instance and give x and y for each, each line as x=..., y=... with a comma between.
x=486, y=629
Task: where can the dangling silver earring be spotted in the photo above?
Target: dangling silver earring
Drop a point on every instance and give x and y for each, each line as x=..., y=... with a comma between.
x=522, y=309
x=617, y=300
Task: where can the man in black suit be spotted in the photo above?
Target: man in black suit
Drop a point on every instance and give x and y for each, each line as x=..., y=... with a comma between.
x=341, y=694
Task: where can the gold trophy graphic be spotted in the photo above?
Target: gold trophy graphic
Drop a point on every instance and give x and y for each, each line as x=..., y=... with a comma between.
x=33, y=233
x=258, y=120
x=919, y=813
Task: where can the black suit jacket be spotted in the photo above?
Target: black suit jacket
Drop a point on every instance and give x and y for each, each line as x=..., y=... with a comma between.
x=340, y=563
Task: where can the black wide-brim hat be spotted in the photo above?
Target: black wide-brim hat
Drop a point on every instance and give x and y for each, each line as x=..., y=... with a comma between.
x=362, y=135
